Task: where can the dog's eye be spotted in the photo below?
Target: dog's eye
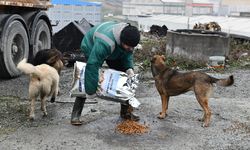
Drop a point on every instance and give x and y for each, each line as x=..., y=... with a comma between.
x=153, y=60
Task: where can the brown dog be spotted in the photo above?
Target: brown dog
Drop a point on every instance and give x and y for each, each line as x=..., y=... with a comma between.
x=170, y=82
x=52, y=57
x=44, y=82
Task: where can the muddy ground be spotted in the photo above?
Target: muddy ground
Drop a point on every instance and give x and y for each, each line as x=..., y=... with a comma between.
x=229, y=129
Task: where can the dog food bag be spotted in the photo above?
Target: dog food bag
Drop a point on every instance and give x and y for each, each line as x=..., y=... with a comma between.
x=77, y=85
x=113, y=85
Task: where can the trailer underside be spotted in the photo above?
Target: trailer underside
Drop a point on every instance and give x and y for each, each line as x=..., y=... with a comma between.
x=41, y=4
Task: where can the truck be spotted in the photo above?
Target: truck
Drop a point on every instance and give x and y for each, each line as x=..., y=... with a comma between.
x=25, y=29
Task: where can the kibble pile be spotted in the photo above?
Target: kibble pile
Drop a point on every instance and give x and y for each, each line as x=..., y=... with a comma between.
x=131, y=127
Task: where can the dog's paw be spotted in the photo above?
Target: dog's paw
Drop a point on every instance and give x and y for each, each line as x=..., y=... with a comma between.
x=32, y=117
x=52, y=100
x=162, y=115
x=59, y=93
x=204, y=125
x=201, y=119
x=45, y=114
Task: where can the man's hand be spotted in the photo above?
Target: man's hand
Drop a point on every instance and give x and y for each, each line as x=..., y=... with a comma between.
x=130, y=72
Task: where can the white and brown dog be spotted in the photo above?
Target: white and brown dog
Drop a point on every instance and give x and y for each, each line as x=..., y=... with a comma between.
x=52, y=57
x=44, y=82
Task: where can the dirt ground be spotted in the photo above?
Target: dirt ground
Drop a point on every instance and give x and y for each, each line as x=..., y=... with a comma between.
x=229, y=129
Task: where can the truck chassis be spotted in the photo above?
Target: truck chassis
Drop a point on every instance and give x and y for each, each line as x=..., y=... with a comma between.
x=24, y=30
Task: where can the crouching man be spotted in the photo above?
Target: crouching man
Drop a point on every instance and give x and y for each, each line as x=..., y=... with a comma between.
x=111, y=42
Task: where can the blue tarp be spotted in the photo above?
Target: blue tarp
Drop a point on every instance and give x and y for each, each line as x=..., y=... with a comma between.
x=74, y=2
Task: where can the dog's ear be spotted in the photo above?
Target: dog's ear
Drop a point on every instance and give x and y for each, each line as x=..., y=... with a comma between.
x=153, y=59
x=163, y=57
x=55, y=55
x=52, y=60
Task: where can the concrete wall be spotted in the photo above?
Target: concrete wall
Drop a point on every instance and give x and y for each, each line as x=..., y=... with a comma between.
x=197, y=45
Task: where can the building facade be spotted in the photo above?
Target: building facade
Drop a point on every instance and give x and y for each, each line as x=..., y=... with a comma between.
x=235, y=8
x=171, y=7
x=65, y=11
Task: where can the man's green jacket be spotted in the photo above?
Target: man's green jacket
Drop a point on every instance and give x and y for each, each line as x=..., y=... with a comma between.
x=102, y=43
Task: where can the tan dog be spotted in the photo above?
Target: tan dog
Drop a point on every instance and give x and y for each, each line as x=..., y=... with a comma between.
x=44, y=82
x=52, y=57
x=170, y=82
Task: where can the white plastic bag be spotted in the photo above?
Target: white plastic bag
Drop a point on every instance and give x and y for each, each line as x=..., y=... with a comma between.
x=113, y=85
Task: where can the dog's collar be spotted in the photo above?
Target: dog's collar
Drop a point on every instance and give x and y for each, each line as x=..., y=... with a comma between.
x=164, y=70
x=161, y=73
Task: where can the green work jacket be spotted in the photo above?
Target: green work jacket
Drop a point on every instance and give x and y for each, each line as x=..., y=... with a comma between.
x=100, y=43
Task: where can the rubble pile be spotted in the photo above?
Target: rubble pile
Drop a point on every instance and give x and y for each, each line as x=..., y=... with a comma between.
x=211, y=26
x=158, y=30
x=239, y=52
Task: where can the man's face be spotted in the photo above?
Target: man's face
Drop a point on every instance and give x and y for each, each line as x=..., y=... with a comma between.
x=127, y=48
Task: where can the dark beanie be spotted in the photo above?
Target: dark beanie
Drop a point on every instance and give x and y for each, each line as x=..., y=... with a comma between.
x=130, y=36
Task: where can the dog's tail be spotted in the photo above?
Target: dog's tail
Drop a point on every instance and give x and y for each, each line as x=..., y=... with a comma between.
x=223, y=82
x=27, y=68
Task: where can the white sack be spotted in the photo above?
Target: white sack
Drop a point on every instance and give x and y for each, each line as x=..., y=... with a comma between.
x=112, y=84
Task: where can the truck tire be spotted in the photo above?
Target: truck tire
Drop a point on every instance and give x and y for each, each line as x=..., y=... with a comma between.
x=42, y=38
x=14, y=46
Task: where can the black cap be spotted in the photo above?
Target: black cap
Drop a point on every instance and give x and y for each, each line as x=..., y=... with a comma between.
x=130, y=36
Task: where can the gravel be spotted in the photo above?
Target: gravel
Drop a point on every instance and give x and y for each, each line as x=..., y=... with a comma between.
x=229, y=129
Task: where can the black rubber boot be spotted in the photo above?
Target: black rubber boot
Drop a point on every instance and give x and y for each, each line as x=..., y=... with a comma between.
x=126, y=113
x=77, y=111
